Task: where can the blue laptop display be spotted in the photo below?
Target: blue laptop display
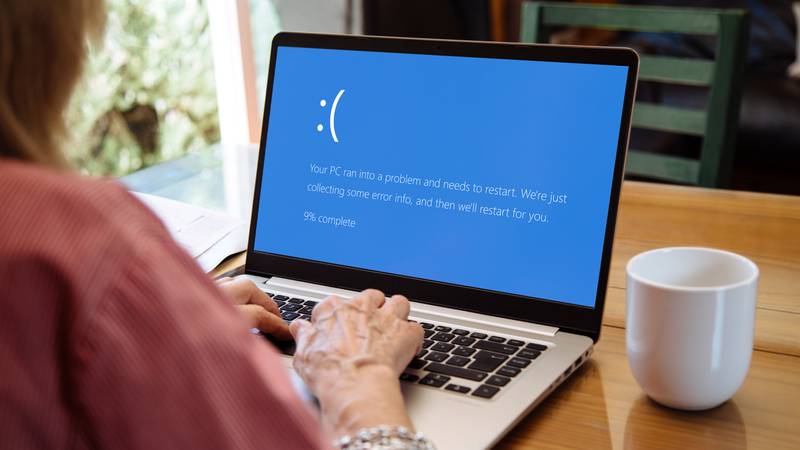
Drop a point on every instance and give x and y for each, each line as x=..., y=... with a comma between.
x=494, y=174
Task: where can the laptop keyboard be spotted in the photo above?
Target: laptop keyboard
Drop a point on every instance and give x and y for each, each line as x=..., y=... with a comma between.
x=462, y=361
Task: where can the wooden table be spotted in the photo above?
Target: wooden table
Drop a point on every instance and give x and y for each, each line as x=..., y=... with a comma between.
x=602, y=407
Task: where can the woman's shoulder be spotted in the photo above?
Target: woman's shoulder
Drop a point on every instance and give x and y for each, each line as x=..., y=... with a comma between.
x=39, y=194
x=60, y=214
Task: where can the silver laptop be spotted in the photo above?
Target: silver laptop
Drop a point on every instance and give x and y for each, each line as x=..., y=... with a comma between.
x=481, y=180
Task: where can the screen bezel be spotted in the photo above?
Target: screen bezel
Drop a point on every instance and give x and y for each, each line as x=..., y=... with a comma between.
x=568, y=317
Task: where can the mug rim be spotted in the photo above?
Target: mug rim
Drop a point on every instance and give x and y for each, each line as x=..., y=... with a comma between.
x=675, y=287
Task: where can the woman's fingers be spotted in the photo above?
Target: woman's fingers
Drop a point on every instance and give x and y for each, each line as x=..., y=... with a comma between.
x=265, y=321
x=239, y=291
x=297, y=328
x=300, y=329
x=326, y=306
x=417, y=335
x=398, y=305
x=243, y=291
x=260, y=310
x=260, y=298
x=372, y=298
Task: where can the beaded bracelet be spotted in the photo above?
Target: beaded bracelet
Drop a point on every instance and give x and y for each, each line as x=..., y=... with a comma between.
x=384, y=438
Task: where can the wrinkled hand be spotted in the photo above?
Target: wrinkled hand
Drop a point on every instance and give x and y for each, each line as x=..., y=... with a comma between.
x=351, y=355
x=368, y=330
x=260, y=311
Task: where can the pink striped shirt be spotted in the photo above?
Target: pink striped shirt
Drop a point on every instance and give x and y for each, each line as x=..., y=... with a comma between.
x=112, y=337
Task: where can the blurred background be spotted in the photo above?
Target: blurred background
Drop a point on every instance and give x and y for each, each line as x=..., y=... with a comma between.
x=152, y=91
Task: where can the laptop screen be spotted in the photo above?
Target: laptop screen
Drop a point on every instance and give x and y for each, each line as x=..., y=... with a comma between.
x=493, y=174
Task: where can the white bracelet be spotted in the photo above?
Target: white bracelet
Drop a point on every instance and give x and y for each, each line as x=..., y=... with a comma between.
x=384, y=438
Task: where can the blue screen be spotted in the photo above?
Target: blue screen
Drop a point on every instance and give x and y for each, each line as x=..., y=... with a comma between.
x=488, y=173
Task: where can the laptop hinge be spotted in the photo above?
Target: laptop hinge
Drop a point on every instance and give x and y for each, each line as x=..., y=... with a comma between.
x=421, y=310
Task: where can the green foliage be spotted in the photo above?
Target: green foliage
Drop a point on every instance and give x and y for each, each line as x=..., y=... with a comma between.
x=148, y=93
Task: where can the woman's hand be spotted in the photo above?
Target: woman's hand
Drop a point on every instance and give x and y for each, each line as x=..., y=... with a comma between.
x=260, y=311
x=351, y=355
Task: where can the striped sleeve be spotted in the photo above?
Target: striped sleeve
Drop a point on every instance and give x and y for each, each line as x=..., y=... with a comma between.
x=165, y=362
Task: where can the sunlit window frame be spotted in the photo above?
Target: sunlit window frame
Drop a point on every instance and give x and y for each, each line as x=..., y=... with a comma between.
x=234, y=67
x=234, y=72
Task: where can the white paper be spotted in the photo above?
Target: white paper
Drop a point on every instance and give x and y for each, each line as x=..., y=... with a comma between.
x=208, y=236
x=233, y=242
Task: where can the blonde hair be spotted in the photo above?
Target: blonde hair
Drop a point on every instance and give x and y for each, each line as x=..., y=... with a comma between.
x=43, y=45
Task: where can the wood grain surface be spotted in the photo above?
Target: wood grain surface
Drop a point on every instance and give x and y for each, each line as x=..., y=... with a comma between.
x=601, y=407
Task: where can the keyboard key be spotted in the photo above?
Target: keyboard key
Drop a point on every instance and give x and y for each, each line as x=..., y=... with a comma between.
x=497, y=339
x=417, y=363
x=410, y=377
x=271, y=294
x=454, y=371
x=305, y=317
x=310, y=303
x=464, y=351
x=442, y=347
x=530, y=354
x=463, y=340
x=427, y=343
x=426, y=325
x=442, y=328
x=421, y=353
x=437, y=357
x=519, y=362
x=508, y=371
x=496, y=347
x=291, y=307
x=485, y=391
x=289, y=316
x=477, y=335
x=429, y=333
x=487, y=361
x=497, y=380
x=459, y=361
x=299, y=301
x=443, y=337
x=434, y=379
x=306, y=310
x=538, y=347
x=460, y=332
x=515, y=342
x=280, y=298
x=280, y=304
x=457, y=388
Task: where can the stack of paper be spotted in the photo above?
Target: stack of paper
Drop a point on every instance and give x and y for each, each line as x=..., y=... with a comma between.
x=208, y=236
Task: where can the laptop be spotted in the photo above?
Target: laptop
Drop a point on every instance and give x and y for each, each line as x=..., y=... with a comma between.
x=480, y=180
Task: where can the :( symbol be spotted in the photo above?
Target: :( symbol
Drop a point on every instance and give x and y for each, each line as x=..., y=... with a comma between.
x=332, y=121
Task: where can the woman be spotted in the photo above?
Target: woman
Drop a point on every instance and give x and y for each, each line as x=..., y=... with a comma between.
x=110, y=335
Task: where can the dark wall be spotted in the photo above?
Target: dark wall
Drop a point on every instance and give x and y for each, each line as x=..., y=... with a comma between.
x=444, y=19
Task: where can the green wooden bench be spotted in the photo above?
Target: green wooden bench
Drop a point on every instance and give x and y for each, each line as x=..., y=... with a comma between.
x=716, y=124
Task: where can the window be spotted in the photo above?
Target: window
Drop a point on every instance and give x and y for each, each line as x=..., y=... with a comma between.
x=148, y=92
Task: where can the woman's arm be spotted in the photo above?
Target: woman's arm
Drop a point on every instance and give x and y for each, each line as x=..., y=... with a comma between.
x=165, y=361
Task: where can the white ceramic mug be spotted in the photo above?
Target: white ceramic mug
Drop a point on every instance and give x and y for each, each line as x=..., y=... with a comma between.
x=690, y=319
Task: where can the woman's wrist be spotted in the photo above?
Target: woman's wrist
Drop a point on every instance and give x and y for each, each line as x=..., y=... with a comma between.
x=367, y=396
